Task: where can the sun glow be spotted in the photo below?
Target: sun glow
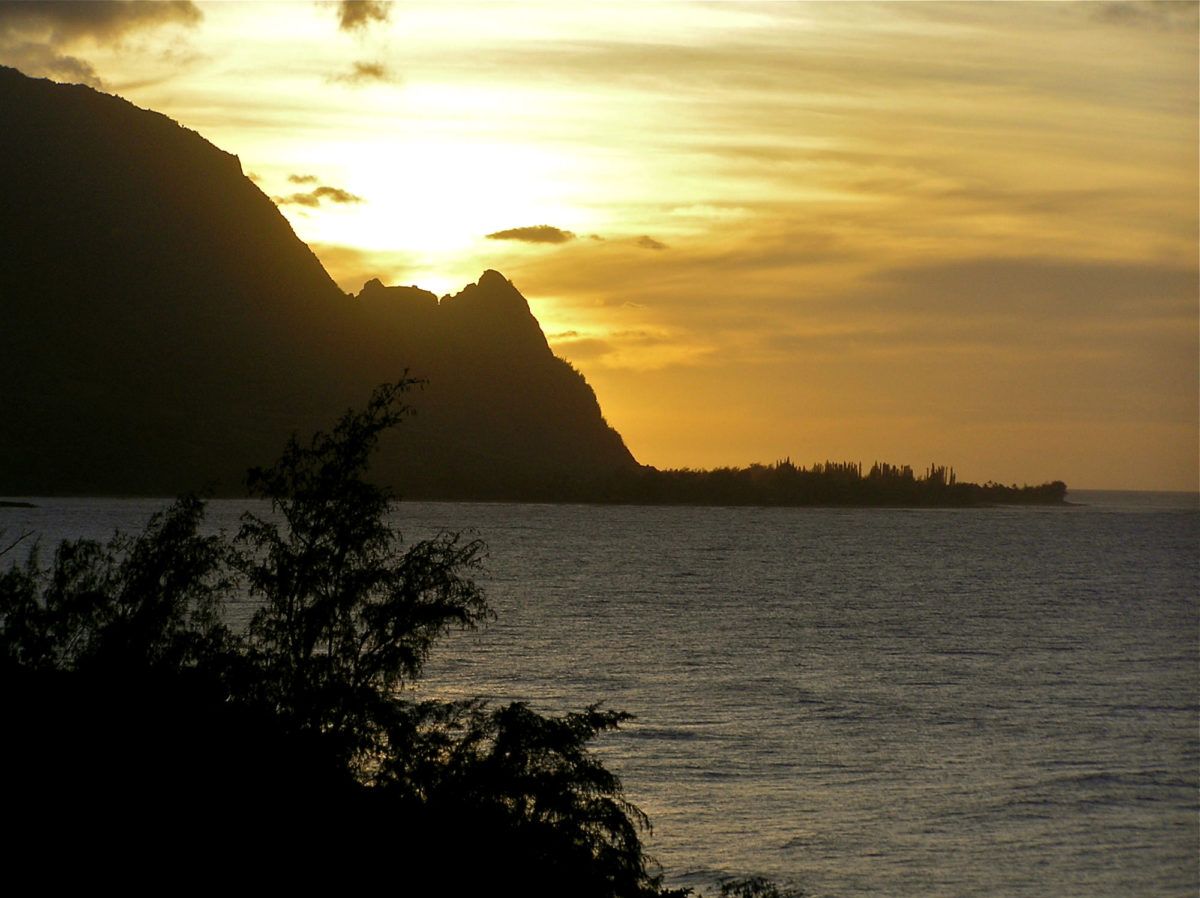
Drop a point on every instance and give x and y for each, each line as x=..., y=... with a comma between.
x=802, y=200
x=433, y=196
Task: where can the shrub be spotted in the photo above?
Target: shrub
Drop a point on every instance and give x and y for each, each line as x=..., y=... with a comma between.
x=127, y=688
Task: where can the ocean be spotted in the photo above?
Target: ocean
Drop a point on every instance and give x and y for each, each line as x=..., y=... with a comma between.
x=984, y=702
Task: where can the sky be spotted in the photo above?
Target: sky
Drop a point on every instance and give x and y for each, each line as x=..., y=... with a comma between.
x=952, y=233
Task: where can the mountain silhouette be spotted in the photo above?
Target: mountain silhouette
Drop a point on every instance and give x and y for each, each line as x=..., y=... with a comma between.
x=164, y=329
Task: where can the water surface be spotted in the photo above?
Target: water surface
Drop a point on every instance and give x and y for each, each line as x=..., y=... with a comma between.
x=993, y=702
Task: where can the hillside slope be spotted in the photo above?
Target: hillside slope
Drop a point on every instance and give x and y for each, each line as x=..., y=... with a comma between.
x=164, y=329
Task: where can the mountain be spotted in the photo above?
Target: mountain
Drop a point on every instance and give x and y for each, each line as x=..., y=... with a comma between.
x=163, y=329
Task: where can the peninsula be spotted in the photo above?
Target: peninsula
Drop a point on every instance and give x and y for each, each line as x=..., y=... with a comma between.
x=165, y=330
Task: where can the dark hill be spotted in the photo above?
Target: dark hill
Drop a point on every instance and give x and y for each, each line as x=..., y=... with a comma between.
x=163, y=329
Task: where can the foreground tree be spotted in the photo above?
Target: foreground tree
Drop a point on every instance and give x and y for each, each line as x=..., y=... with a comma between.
x=147, y=602
x=126, y=687
x=347, y=615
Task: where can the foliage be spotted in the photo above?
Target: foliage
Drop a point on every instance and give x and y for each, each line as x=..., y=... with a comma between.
x=754, y=887
x=538, y=808
x=131, y=683
x=828, y=483
x=347, y=616
x=151, y=601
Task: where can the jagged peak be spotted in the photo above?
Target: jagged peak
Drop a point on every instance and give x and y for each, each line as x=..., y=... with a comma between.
x=376, y=290
x=492, y=277
x=126, y=207
x=493, y=291
x=492, y=294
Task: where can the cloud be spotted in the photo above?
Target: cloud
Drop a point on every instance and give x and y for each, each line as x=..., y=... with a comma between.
x=632, y=350
x=40, y=60
x=361, y=72
x=351, y=267
x=534, y=234
x=1033, y=289
x=314, y=197
x=65, y=21
x=649, y=243
x=36, y=36
x=302, y=179
x=1159, y=15
x=356, y=15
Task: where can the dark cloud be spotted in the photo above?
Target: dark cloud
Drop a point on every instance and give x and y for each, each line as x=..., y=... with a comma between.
x=362, y=72
x=35, y=36
x=1030, y=289
x=303, y=179
x=70, y=20
x=41, y=60
x=336, y=195
x=315, y=197
x=996, y=305
x=534, y=234
x=355, y=15
x=297, y=199
x=649, y=243
x=1159, y=15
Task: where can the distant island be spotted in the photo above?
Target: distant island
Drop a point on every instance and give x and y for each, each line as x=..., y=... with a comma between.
x=165, y=330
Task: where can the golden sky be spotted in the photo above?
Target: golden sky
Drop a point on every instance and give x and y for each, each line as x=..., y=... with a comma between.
x=962, y=233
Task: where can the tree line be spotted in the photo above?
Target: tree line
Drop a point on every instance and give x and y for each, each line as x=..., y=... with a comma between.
x=824, y=483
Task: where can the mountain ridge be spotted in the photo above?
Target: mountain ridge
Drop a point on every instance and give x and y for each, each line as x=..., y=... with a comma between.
x=166, y=329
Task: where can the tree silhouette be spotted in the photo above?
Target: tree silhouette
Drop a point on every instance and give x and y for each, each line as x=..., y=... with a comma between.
x=347, y=615
x=146, y=602
x=130, y=689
